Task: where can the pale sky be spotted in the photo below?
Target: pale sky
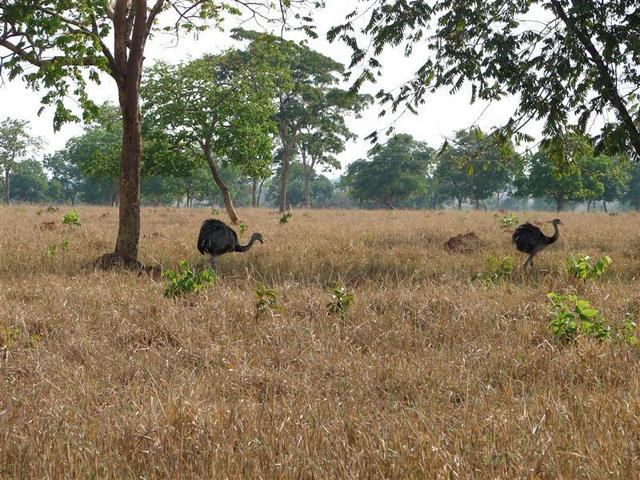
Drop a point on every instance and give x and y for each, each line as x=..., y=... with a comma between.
x=440, y=117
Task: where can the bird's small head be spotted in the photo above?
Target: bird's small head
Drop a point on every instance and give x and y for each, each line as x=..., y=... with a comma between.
x=556, y=221
x=257, y=237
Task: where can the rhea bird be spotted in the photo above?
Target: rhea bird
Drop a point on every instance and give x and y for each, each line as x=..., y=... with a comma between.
x=217, y=238
x=530, y=239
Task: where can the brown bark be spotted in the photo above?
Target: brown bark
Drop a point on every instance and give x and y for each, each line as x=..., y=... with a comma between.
x=254, y=189
x=224, y=190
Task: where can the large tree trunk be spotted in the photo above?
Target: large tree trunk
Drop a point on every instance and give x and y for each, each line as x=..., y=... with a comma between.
x=477, y=203
x=559, y=203
x=224, y=190
x=129, y=220
x=459, y=204
x=604, y=206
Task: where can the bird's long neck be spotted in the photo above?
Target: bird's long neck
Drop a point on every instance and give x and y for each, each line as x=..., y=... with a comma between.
x=556, y=234
x=244, y=248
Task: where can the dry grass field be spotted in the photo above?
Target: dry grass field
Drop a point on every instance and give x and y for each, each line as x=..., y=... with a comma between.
x=429, y=375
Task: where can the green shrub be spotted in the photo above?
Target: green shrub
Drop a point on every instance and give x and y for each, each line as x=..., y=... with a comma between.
x=186, y=281
x=341, y=300
x=267, y=300
x=496, y=269
x=580, y=266
x=285, y=217
x=243, y=228
x=573, y=316
x=509, y=221
x=71, y=218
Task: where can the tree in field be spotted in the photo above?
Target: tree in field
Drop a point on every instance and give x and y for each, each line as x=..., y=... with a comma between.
x=318, y=187
x=65, y=174
x=616, y=179
x=562, y=57
x=563, y=169
x=396, y=173
x=474, y=166
x=218, y=108
x=15, y=144
x=66, y=42
x=29, y=183
x=96, y=153
x=303, y=77
x=632, y=194
x=325, y=137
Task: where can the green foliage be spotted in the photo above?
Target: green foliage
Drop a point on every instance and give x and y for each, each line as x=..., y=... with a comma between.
x=580, y=266
x=285, y=217
x=573, y=316
x=570, y=65
x=15, y=144
x=71, y=218
x=8, y=336
x=186, y=281
x=396, y=173
x=496, y=269
x=341, y=300
x=243, y=228
x=267, y=300
x=509, y=221
x=475, y=166
x=321, y=188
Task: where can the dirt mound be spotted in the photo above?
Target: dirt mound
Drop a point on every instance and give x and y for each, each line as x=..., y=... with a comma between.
x=48, y=226
x=463, y=243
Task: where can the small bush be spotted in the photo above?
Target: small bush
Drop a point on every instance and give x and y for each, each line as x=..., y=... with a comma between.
x=71, y=218
x=52, y=249
x=509, y=221
x=341, y=300
x=579, y=266
x=267, y=300
x=573, y=316
x=187, y=281
x=285, y=217
x=243, y=228
x=496, y=269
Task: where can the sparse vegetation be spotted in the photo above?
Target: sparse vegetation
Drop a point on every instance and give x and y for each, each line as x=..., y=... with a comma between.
x=284, y=218
x=267, y=300
x=341, y=300
x=186, y=280
x=71, y=218
x=428, y=375
x=496, y=269
x=581, y=267
x=573, y=316
x=509, y=221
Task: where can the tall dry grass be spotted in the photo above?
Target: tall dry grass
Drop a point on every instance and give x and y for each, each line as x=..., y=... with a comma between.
x=429, y=375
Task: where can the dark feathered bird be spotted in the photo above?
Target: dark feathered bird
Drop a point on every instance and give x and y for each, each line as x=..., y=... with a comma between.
x=530, y=239
x=217, y=238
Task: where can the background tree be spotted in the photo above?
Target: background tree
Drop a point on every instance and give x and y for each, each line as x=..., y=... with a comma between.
x=325, y=137
x=475, y=166
x=67, y=42
x=303, y=76
x=65, y=173
x=318, y=187
x=218, y=108
x=579, y=58
x=396, y=173
x=15, y=144
x=29, y=182
x=555, y=171
x=632, y=194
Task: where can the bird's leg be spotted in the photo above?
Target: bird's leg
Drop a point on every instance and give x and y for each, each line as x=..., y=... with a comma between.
x=529, y=261
x=213, y=262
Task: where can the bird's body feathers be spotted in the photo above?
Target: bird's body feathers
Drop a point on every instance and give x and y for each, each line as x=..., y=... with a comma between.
x=217, y=238
x=530, y=239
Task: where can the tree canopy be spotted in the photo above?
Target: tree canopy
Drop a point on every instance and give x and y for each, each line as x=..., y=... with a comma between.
x=562, y=57
x=397, y=172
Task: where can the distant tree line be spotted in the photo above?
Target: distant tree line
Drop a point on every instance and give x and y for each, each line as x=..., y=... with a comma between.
x=485, y=171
